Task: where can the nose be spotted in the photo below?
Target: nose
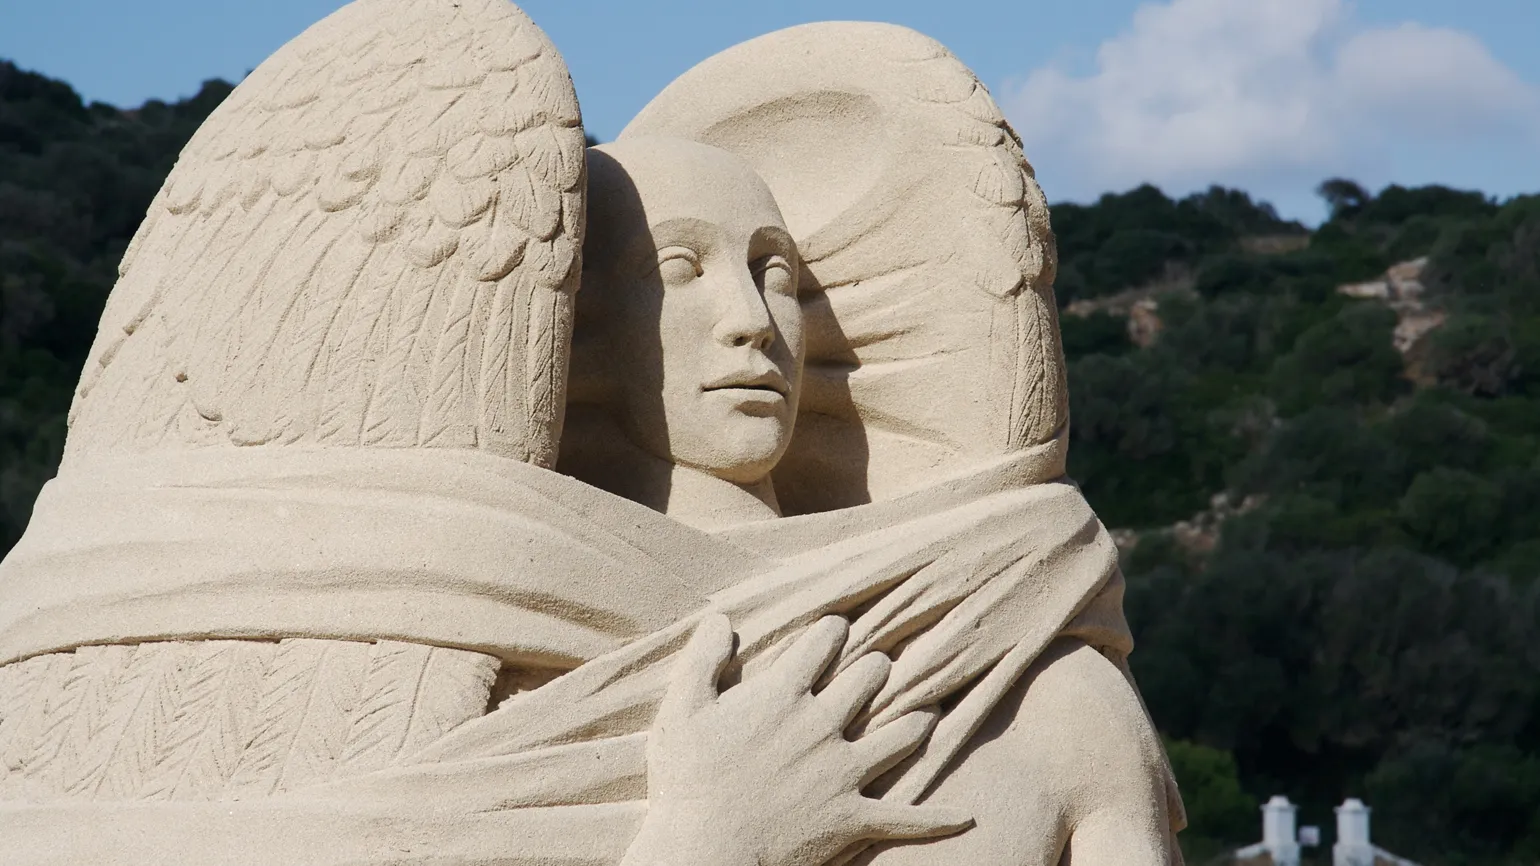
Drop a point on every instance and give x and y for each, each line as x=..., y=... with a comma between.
x=745, y=320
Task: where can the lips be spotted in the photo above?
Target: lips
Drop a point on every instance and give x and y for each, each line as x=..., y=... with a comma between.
x=770, y=381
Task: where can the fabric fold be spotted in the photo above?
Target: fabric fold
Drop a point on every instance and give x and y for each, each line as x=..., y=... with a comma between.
x=963, y=584
x=450, y=548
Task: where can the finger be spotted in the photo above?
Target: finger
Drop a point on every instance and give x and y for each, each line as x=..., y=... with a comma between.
x=884, y=820
x=801, y=665
x=882, y=749
x=693, y=680
x=854, y=686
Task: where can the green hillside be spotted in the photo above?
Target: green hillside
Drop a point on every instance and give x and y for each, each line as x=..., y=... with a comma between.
x=75, y=180
x=1356, y=612
x=1329, y=501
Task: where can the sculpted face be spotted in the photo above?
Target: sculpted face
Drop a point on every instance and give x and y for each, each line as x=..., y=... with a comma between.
x=690, y=280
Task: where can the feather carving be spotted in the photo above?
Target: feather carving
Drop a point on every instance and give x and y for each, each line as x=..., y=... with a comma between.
x=192, y=713
x=203, y=720
x=444, y=414
x=89, y=745
x=499, y=403
x=232, y=724
x=39, y=680
x=482, y=158
x=41, y=760
x=543, y=84
x=500, y=249
x=530, y=203
x=288, y=690
x=461, y=73
x=460, y=203
x=410, y=181
x=380, y=726
x=503, y=117
x=138, y=720
x=548, y=153
x=506, y=55
x=317, y=747
x=433, y=246
x=432, y=134
x=455, y=688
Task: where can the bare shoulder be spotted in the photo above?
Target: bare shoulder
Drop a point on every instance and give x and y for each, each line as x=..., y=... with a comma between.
x=1067, y=769
x=1101, y=745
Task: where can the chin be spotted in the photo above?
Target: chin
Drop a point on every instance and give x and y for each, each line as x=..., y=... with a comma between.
x=748, y=448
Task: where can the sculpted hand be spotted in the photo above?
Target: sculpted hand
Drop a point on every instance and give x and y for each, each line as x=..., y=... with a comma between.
x=762, y=774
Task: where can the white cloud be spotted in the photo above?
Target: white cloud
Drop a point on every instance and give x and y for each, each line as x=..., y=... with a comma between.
x=1260, y=94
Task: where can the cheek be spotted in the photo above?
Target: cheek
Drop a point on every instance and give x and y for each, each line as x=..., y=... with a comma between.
x=685, y=328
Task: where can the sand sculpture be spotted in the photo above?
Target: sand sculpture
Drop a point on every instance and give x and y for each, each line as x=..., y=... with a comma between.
x=323, y=579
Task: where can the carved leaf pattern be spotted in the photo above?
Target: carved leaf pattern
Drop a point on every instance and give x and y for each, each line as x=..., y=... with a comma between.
x=10, y=684
x=33, y=679
x=138, y=720
x=223, y=719
x=48, y=680
x=393, y=142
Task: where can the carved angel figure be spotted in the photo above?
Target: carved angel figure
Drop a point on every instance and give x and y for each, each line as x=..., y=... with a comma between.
x=810, y=585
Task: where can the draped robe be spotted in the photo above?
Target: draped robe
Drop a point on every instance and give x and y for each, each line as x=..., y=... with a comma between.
x=963, y=584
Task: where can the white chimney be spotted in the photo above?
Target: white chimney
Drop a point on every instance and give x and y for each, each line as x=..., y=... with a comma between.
x=1353, y=847
x=1278, y=835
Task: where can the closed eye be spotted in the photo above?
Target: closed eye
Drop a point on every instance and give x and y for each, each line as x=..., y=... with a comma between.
x=677, y=264
x=773, y=273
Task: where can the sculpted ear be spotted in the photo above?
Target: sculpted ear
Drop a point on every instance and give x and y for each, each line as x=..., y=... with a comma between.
x=592, y=374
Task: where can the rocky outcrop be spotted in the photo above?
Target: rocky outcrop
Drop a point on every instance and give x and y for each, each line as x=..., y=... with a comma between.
x=1198, y=535
x=1140, y=306
x=1273, y=245
x=1400, y=288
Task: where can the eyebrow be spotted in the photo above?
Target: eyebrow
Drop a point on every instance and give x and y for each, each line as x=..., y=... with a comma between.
x=645, y=246
x=776, y=237
x=639, y=252
x=683, y=224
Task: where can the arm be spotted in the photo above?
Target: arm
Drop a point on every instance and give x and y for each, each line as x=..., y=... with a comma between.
x=1125, y=817
x=762, y=775
x=1066, y=770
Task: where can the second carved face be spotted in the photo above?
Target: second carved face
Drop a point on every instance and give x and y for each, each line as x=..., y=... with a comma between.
x=691, y=277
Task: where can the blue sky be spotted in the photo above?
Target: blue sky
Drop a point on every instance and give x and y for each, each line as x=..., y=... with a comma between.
x=1267, y=95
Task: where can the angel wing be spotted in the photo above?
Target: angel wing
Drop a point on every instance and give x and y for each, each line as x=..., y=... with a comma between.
x=372, y=242
x=932, y=330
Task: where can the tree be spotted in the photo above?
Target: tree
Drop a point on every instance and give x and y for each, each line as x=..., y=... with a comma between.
x=1472, y=353
x=75, y=182
x=1344, y=197
x=1367, y=626
x=1348, y=359
x=1220, y=814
